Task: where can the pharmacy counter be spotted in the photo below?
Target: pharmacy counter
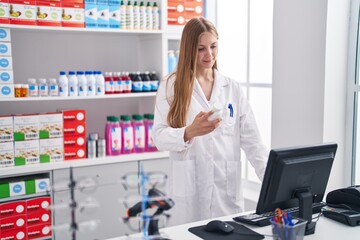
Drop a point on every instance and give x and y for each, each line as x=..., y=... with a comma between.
x=325, y=229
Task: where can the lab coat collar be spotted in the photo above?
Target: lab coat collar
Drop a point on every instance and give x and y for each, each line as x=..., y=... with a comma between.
x=219, y=82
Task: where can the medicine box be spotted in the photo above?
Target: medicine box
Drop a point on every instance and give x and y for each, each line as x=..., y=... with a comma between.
x=26, y=127
x=73, y=14
x=12, y=208
x=48, y=13
x=7, y=154
x=22, y=12
x=5, y=35
x=41, y=231
x=17, y=234
x=6, y=90
x=74, y=141
x=91, y=15
x=36, y=205
x=27, y=152
x=51, y=150
x=5, y=49
x=103, y=15
x=50, y=125
x=114, y=16
x=6, y=77
x=6, y=129
x=74, y=153
x=74, y=115
x=6, y=63
x=12, y=223
x=33, y=186
x=38, y=218
x=4, y=9
x=17, y=188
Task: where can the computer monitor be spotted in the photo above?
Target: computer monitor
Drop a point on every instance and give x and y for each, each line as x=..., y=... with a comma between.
x=296, y=177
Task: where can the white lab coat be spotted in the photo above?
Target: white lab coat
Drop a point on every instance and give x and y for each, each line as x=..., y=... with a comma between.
x=205, y=175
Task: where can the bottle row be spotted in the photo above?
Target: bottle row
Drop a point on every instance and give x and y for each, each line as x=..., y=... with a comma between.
x=88, y=83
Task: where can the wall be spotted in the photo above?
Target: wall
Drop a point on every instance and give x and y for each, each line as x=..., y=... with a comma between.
x=309, y=75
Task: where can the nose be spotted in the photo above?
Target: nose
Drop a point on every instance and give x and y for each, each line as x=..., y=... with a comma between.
x=209, y=52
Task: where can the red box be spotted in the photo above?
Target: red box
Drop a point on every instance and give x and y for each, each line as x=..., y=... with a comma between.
x=73, y=14
x=13, y=223
x=5, y=18
x=18, y=234
x=48, y=13
x=74, y=116
x=74, y=129
x=12, y=209
x=39, y=231
x=22, y=12
x=39, y=218
x=74, y=141
x=38, y=205
x=74, y=153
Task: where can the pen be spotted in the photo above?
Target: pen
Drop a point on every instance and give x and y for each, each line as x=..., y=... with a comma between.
x=230, y=107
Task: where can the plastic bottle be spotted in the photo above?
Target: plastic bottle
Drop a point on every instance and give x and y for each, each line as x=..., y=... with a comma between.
x=122, y=15
x=17, y=89
x=73, y=84
x=128, y=84
x=33, y=87
x=136, y=16
x=109, y=83
x=171, y=61
x=154, y=83
x=82, y=83
x=129, y=16
x=127, y=134
x=146, y=82
x=156, y=17
x=149, y=16
x=91, y=83
x=142, y=16
x=139, y=133
x=217, y=112
x=53, y=87
x=149, y=142
x=43, y=88
x=100, y=83
x=63, y=84
x=118, y=83
x=137, y=84
x=24, y=90
x=113, y=136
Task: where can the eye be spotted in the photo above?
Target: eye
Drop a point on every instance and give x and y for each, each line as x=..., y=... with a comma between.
x=201, y=49
x=213, y=46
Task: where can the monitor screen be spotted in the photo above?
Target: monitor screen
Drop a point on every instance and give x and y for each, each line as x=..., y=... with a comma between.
x=293, y=172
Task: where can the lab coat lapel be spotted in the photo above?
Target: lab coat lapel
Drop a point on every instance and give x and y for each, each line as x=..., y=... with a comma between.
x=199, y=96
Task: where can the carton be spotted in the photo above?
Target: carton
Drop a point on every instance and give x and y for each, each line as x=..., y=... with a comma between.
x=38, y=205
x=91, y=15
x=74, y=153
x=73, y=14
x=6, y=129
x=48, y=13
x=50, y=125
x=51, y=150
x=39, y=231
x=39, y=218
x=5, y=35
x=33, y=186
x=13, y=223
x=74, y=141
x=27, y=152
x=74, y=116
x=26, y=127
x=4, y=8
x=7, y=154
x=12, y=208
x=17, y=188
x=5, y=47
x=114, y=16
x=6, y=77
x=6, y=63
x=22, y=12
x=17, y=234
x=103, y=16
x=6, y=90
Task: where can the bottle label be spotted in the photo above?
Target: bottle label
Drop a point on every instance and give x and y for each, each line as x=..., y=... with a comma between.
x=109, y=86
x=146, y=86
x=154, y=85
x=33, y=90
x=150, y=138
x=137, y=86
x=139, y=137
x=119, y=86
x=127, y=85
x=115, y=139
x=128, y=138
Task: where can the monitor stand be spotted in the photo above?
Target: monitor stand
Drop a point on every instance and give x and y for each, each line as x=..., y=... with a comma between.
x=305, y=209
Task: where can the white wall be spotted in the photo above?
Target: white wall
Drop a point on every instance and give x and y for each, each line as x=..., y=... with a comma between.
x=309, y=75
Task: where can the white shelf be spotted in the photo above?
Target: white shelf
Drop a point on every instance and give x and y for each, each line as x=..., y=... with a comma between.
x=110, y=96
x=74, y=29
x=37, y=168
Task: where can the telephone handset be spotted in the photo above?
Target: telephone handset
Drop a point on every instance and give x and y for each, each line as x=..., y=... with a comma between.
x=343, y=205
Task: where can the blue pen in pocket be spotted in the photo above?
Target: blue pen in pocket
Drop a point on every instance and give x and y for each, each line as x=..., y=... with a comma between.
x=230, y=107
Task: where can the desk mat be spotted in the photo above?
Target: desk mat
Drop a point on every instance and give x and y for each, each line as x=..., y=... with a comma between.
x=240, y=232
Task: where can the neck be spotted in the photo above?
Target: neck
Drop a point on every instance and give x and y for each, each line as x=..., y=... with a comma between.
x=205, y=75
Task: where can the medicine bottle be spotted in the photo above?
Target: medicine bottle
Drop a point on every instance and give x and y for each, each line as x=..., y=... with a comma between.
x=24, y=90
x=73, y=84
x=17, y=89
x=53, y=87
x=113, y=136
x=139, y=133
x=127, y=134
x=82, y=83
x=149, y=141
x=100, y=83
x=43, y=88
x=63, y=84
x=33, y=87
x=146, y=81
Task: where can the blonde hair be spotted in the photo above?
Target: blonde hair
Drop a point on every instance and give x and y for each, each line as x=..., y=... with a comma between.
x=186, y=69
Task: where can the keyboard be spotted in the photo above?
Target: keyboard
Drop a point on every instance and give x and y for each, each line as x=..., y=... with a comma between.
x=264, y=219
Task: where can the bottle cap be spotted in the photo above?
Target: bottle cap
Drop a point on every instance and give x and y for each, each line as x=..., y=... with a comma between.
x=125, y=117
x=24, y=85
x=137, y=117
x=31, y=80
x=112, y=119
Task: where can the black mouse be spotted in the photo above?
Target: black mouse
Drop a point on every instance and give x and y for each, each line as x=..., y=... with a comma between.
x=217, y=226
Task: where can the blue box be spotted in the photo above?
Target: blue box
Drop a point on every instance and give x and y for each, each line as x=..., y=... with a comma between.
x=103, y=16
x=91, y=15
x=114, y=16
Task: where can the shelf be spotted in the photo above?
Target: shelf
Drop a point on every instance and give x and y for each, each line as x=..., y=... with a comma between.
x=38, y=168
x=110, y=96
x=72, y=29
x=16, y=198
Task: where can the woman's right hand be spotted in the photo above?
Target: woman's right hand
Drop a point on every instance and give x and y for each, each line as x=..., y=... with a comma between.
x=200, y=126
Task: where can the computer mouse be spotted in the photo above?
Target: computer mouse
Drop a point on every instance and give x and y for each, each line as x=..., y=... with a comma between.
x=217, y=226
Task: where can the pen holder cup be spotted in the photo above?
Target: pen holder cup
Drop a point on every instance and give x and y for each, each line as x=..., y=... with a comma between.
x=287, y=232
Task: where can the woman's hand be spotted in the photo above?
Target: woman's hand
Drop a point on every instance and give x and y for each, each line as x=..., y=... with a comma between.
x=201, y=126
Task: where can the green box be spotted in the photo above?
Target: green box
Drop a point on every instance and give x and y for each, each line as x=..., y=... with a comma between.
x=30, y=187
x=4, y=190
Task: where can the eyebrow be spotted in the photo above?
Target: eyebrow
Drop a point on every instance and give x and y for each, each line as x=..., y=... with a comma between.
x=200, y=45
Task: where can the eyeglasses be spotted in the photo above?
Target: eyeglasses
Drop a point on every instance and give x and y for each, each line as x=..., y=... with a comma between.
x=135, y=224
x=134, y=179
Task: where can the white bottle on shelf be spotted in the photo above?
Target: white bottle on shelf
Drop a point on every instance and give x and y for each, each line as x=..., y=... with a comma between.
x=136, y=16
x=129, y=16
x=156, y=17
x=53, y=87
x=149, y=16
x=82, y=83
x=122, y=15
x=171, y=61
x=33, y=87
x=63, y=84
x=73, y=84
x=43, y=88
x=91, y=83
x=142, y=16
x=100, y=83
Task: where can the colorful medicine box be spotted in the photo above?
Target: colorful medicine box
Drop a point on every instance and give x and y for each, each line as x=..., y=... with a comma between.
x=41, y=204
x=76, y=116
x=17, y=188
x=6, y=90
x=6, y=129
x=50, y=125
x=5, y=49
x=26, y=127
x=33, y=186
x=91, y=15
x=38, y=218
x=22, y=12
x=7, y=154
x=27, y=152
x=12, y=208
x=6, y=63
x=114, y=16
x=12, y=223
x=51, y=150
x=4, y=9
x=6, y=77
x=41, y=231
x=5, y=35
x=73, y=14
x=48, y=13
x=17, y=234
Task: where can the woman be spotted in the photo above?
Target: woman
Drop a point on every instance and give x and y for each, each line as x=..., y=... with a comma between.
x=205, y=177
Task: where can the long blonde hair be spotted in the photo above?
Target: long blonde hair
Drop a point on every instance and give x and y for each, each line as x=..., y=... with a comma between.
x=186, y=69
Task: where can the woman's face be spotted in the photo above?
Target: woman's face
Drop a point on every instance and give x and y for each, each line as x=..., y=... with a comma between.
x=207, y=51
